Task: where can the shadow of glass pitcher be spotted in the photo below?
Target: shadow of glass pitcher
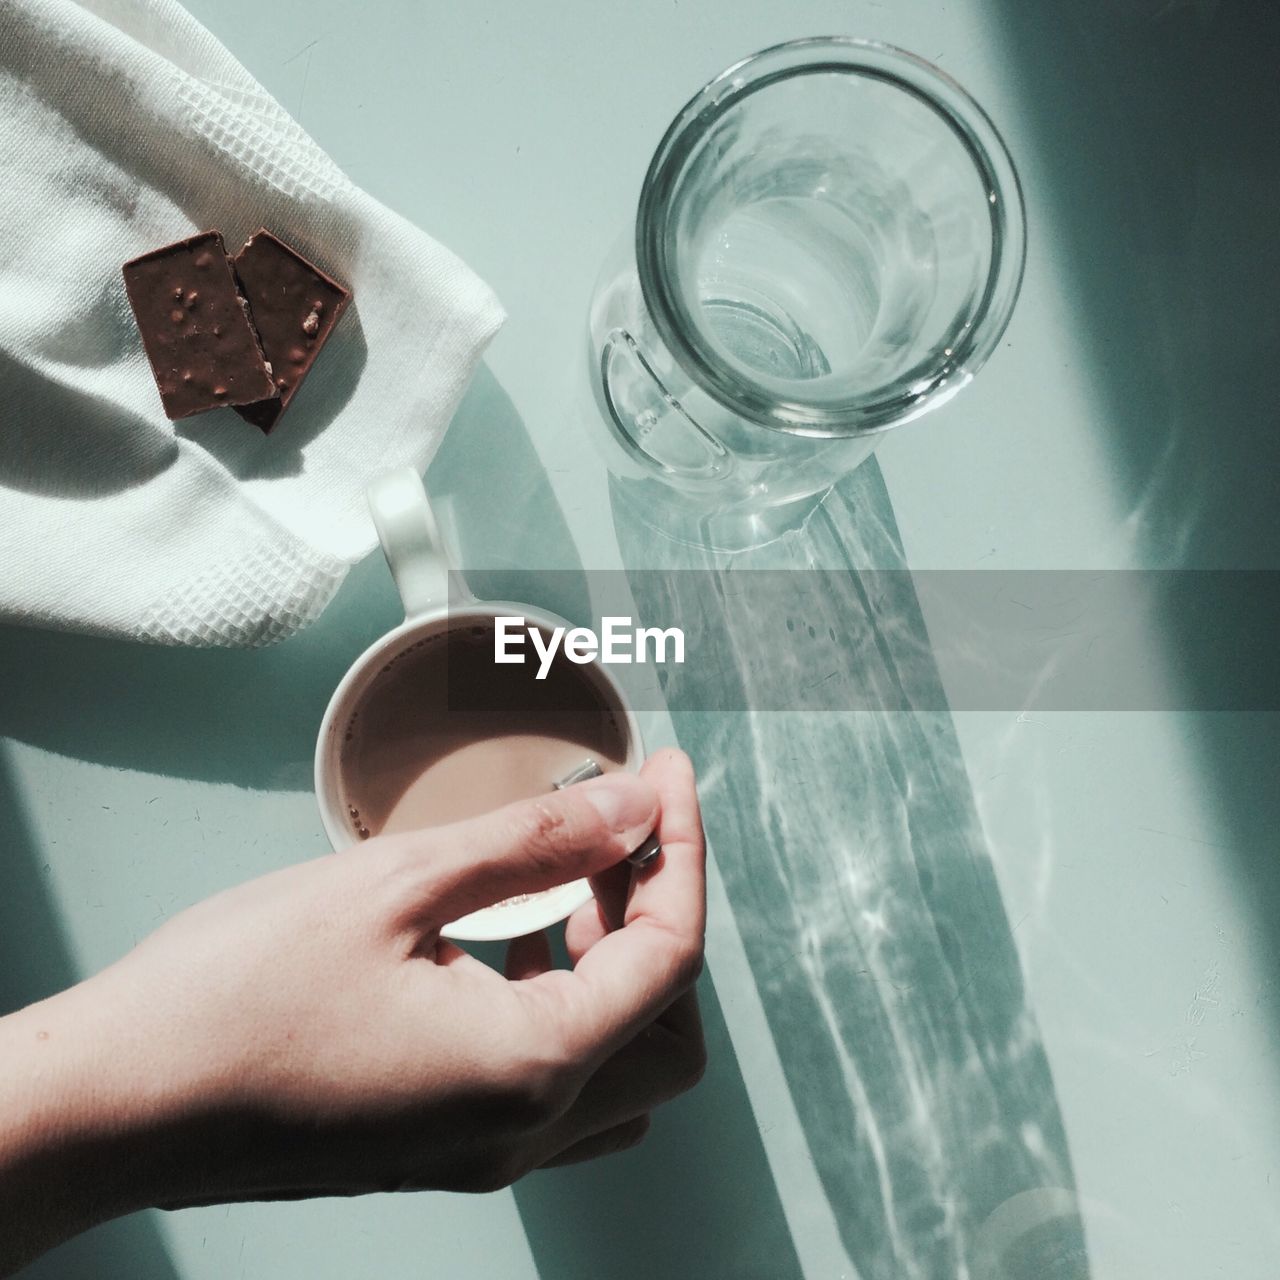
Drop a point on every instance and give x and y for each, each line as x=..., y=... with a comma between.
x=829, y=242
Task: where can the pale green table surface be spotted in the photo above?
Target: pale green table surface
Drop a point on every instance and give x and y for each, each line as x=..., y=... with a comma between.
x=986, y=970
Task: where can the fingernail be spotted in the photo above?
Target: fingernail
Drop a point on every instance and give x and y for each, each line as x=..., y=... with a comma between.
x=624, y=801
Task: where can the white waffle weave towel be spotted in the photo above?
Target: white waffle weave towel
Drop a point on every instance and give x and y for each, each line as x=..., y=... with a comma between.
x=125, y=125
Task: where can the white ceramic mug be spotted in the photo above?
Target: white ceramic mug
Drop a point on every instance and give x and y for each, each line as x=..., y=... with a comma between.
x=434, y=598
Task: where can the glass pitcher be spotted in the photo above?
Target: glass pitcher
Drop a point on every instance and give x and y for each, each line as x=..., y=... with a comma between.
x=829, y=242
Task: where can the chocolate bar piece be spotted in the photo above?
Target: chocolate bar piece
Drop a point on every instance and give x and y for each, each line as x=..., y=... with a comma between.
x=195, y=327
x=295, y=306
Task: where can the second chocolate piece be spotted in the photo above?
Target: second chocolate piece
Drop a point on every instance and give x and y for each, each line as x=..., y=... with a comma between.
x=295, y=306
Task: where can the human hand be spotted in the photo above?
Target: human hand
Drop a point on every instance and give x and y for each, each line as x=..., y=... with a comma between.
x=309, y=1033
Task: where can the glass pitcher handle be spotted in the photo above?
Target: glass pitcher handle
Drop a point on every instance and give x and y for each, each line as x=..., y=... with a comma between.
x=653, y=424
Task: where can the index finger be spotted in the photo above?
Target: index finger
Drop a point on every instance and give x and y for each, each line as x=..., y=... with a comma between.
x=632, y=974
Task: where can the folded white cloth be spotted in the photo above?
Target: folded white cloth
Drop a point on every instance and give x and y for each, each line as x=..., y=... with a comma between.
x=125, y=125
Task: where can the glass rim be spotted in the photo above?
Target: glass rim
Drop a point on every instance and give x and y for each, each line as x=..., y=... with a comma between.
x=975, y=131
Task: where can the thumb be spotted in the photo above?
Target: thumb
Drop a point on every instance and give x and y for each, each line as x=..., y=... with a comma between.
x=531, y=845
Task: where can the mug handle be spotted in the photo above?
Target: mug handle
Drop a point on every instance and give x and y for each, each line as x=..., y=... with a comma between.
x=412, y=543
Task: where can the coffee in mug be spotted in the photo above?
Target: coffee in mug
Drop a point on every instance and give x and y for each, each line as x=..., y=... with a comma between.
x=443, y=733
